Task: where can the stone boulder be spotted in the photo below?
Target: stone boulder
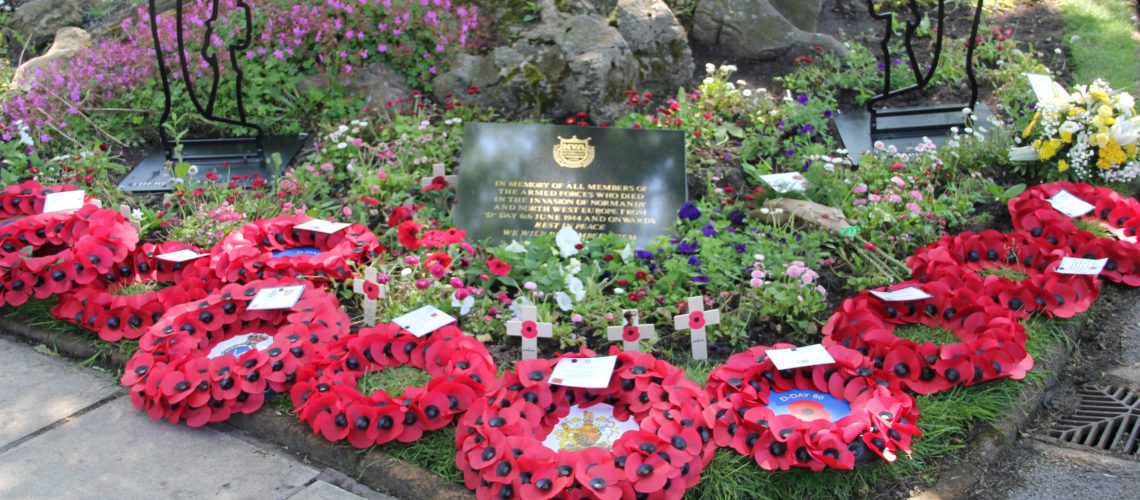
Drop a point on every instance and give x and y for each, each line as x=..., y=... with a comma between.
x=761, y=28
x=658, y=41
x=566, y=63
x=68, y=42
x=37, y=21
x=376, y=82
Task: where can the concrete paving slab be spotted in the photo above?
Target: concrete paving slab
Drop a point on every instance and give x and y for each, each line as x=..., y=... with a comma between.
x=37, y=390
x=1048, y=472
x=321, y=490
x=116, y=452
x=346, y=483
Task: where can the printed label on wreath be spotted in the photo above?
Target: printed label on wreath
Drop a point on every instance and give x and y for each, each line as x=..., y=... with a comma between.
x=1070, y=205
x=1073, y=265
x=902, y=295
x=593, y=427
x=241, y=344
x=798, y=357
x=295, y=251
x=424, y=320
x=181, y=256
x=67, y=201
x=1042, y=86
x=586, y=373
x=322, y=226
x=808, y=405
x=788, y=181
x=281, y=297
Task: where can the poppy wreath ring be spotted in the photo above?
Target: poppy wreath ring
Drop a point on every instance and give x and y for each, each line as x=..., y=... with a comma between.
x=45, y=254
x=500, y=446
x=1032, y=212
x=274, y=248
x=991, y=341
x=208, y=359
x=967, y=253
x=100, y=307
x=804, y=433
x=327, y=399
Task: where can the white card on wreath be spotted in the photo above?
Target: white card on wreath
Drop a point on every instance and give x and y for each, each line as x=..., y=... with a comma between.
x=1070, y=205
x=322, y=226
x=902, y=295
x=1073, y=265
x=183, y=255
x=785, y=182
x=1042, y=86
x=585, y=373
x=798, y=357
x=424, y=320
x=67, y=201
x=278, y=297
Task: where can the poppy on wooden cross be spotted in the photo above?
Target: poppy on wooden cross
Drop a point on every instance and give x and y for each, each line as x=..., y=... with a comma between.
x=372, y=290
x=695, y=321
x=632, y=332
x=437, y=171
x=528, y=327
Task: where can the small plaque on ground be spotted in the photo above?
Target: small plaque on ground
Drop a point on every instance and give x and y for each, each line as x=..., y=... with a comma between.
x=519, y=181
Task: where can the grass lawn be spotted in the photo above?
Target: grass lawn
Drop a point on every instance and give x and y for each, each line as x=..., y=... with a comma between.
x=1104, y=41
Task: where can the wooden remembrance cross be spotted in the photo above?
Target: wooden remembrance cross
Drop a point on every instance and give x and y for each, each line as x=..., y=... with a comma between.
x=371, y=289
x=437, y=170
x=632, y=332
x=528, y=327
x=696, y=321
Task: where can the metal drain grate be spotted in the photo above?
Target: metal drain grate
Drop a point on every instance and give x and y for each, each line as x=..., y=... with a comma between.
x=1108, y=418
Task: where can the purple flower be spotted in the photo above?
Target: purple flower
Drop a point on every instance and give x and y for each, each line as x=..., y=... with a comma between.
x=689, y=211
x=643, y=254
x=700, y=279
x=807, y=165
x=708, y=230
x=736, y=217
x=740, y=248
x=806, y=129
x=827, y=114
x=694, y=261
x=802, y=99
x=789, y=152
x=687, y=248
x=780, y=125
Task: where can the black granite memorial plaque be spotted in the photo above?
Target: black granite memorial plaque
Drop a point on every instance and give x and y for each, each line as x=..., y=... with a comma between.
x=517, y=181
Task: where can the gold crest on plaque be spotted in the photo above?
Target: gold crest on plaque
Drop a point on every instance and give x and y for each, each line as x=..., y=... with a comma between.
x=574, y=152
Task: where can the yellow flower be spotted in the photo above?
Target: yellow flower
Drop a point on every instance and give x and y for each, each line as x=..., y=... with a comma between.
x=1066, y=136
x=1101, y=140
x=1062, y=165
x=1032, y=123
x=1100, y=95
x=1048, y=149
x=1104, y=110
x=1113, y=153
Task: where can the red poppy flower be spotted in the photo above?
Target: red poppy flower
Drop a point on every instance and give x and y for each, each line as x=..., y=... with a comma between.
x=498, y=267
x=441, y=238
x=273, y=248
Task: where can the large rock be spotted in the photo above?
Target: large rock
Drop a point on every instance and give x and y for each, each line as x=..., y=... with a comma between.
x=567, y=63
x=37, y=21
x=376, y=82
x=760, y=28
x=658, y=41
x=68, y=42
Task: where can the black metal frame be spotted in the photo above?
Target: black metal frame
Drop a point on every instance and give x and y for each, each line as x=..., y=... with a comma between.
x=922, y=79
x=257, y=141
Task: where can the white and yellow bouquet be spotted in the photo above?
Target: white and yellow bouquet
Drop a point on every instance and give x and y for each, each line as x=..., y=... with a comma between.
x=1092, y=131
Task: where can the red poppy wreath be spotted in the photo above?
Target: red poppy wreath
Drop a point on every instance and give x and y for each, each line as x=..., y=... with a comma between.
x=817, y=417
x=26, y=198
x=1034, y=213
x=103, y=306
x=991, y=340
x=501, y=440
x=208, y=359
x=327, y=399
x=273, y=248
x=45, y=254
x=970, y=254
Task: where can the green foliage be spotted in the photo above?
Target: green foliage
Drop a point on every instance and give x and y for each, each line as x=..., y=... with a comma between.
x=393, y=381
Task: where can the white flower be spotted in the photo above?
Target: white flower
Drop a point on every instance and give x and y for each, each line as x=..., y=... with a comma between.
x=1057, y=50
x=1125, y=132
x=563, y=301
x=708, y=80
x=1124, y=103
x=1024, y=153
x=576, y=287
x=879, y=146
x=573, y=266
x=619, y=291
x=567, y=240
x=341, y=145
x=465, y=305
x=710, y=68
x=627, y=253
x=193, y=170
x=515, y=247
x=136, y=215
x=746, y=93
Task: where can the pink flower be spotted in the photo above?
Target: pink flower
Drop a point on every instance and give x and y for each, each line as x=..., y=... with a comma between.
x=456, y=283
x=346, y=210
x=423, y=283
x=874, y=197
x=412, y=260
x=894, y=198
x=576, y=318
x=326, y=167
x=916, y=195
x=913, y=207
x=859, y=189
x=898, y=181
